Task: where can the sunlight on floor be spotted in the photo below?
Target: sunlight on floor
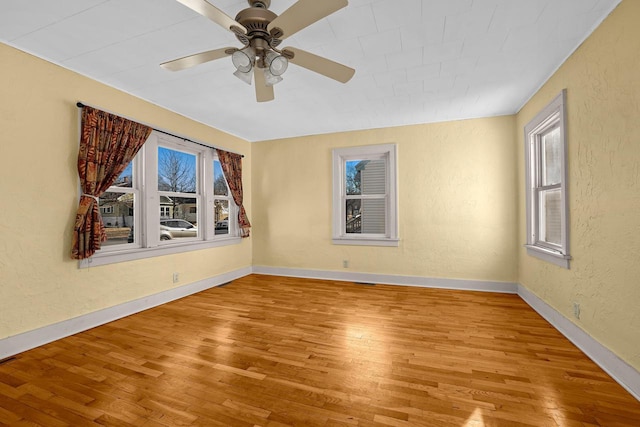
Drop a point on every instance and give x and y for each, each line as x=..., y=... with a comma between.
x=369, y=345
x=475, y=419
x=551, y=408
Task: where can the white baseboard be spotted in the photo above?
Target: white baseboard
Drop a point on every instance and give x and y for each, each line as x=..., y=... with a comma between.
x=13, y=345
x=623, y=373
x=390, y=279
x=627, y=376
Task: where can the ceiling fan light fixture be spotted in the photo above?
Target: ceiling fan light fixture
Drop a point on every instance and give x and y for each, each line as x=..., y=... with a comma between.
x=271, y=79
x=276, y=63
x=245, y=77
x=244, y=59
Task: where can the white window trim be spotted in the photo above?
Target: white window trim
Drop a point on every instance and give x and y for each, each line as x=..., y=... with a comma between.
x=388, y=152
x=554, y=114
x=233, y=228
x=147, y=239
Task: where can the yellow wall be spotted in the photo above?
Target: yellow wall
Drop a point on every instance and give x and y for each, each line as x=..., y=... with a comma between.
x=457, y=202
x=39, y=283
x=603, y=105
x=461, y=192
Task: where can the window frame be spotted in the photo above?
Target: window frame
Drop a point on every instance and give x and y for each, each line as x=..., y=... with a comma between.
x=232, y=217
x=147, y=212
x=136, y=185
x=151, y=177
x=386, y=152
x=551, y=117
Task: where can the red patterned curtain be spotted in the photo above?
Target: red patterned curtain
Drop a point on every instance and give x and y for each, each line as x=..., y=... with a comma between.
x=108, y=143
x=232, y=168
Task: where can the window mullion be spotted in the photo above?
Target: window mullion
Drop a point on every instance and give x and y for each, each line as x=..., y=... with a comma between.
x=370, y=196
x=151, y=227
x=550, y=187
x=233, y=214
x=538, y=161
x=208, y=205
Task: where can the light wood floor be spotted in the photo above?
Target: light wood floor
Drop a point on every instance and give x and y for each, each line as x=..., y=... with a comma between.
x=273, y=351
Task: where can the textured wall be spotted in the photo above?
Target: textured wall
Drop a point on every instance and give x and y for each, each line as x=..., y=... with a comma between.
x=603, y=105
x=457, y=202
x=39, y=283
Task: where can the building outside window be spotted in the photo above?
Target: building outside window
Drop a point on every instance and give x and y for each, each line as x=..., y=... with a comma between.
x=165, y=210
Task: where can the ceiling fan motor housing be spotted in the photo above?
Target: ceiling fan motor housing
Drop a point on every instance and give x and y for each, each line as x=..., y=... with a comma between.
x=256, y=19
x=264, y=4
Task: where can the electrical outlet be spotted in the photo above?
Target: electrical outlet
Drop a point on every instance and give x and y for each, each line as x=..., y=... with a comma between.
x=345, y=263
x=176, y=277
x=576, y=310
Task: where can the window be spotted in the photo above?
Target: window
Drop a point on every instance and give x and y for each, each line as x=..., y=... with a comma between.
x=117, y=208
x=222, y=200
x=178, y=189
x=165, y=211
x=364, y=196
x=546, y=181
x=172, y=197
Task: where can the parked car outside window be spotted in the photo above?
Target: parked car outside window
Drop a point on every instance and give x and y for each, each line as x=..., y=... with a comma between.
x=176, y=228
x=222, y=227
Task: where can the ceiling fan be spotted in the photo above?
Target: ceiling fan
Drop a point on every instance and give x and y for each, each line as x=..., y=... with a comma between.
x=261, y=31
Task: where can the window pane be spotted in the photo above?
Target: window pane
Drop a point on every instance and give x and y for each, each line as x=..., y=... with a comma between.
x=117, y=214
x=219, y=183
x=551, y=149
x=373, y=216
x=352, y=178
x=373, y=176
x=182, y=219
x=354, y=224
x=550, y=226
x=176, y=171
x=126, y=177
x=365, y=177
x=221, y=216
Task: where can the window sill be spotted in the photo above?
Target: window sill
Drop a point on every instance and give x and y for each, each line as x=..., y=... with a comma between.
x=124, y=255
x=548, y=255
x=360, y=241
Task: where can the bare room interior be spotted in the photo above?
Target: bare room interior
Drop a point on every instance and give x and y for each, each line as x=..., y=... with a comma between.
x=415, y=213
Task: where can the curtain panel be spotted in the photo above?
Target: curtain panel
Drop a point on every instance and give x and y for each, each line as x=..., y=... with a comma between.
x=108, y=143
x=232, y=168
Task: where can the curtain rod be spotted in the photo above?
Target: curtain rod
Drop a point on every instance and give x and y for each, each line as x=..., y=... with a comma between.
x=81, y=104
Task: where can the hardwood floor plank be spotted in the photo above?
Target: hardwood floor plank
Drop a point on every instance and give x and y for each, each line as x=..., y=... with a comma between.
x=279, y=352
x=7, y=417
x=22, y=409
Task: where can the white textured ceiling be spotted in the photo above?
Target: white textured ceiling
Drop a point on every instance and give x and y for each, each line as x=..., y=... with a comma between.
x=416, y=61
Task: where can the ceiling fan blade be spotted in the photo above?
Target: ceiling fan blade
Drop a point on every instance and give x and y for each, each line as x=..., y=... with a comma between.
x=304, y=13
x=197, y=59
x=264, y=93
x=321, y=65
x=206, y=9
